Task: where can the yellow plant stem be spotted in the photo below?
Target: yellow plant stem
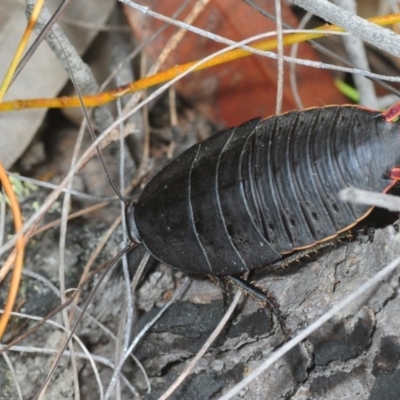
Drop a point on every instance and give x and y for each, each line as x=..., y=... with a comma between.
x=21, y=48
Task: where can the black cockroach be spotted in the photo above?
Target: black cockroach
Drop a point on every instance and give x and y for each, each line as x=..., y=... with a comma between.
x=252, y=194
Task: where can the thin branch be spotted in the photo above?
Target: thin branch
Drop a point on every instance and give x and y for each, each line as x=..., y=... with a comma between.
x=382, y=38
x=387, y=201
x=357, y=56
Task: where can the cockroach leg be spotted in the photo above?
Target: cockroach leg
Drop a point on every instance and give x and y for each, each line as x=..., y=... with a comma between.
x=224, y=288
x=262, y=295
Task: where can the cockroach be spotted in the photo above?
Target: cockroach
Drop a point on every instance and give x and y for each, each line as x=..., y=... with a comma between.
x=250, y=195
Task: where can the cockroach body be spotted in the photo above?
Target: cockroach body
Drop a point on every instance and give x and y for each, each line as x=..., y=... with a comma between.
x=250, y=195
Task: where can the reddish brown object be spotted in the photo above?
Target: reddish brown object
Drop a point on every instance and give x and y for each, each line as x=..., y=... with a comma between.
x=233, y=92
x=392, y=112
x=395, y=174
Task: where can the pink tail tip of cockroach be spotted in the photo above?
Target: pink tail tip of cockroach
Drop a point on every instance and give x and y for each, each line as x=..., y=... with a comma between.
x=395, y=174
x=391, y=113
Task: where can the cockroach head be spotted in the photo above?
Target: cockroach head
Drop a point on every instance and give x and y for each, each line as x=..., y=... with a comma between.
x=133, y=232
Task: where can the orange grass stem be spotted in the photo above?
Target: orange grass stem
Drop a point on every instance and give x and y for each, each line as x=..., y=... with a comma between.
x=107, y=97
x=20, y=49
x=19, y=259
